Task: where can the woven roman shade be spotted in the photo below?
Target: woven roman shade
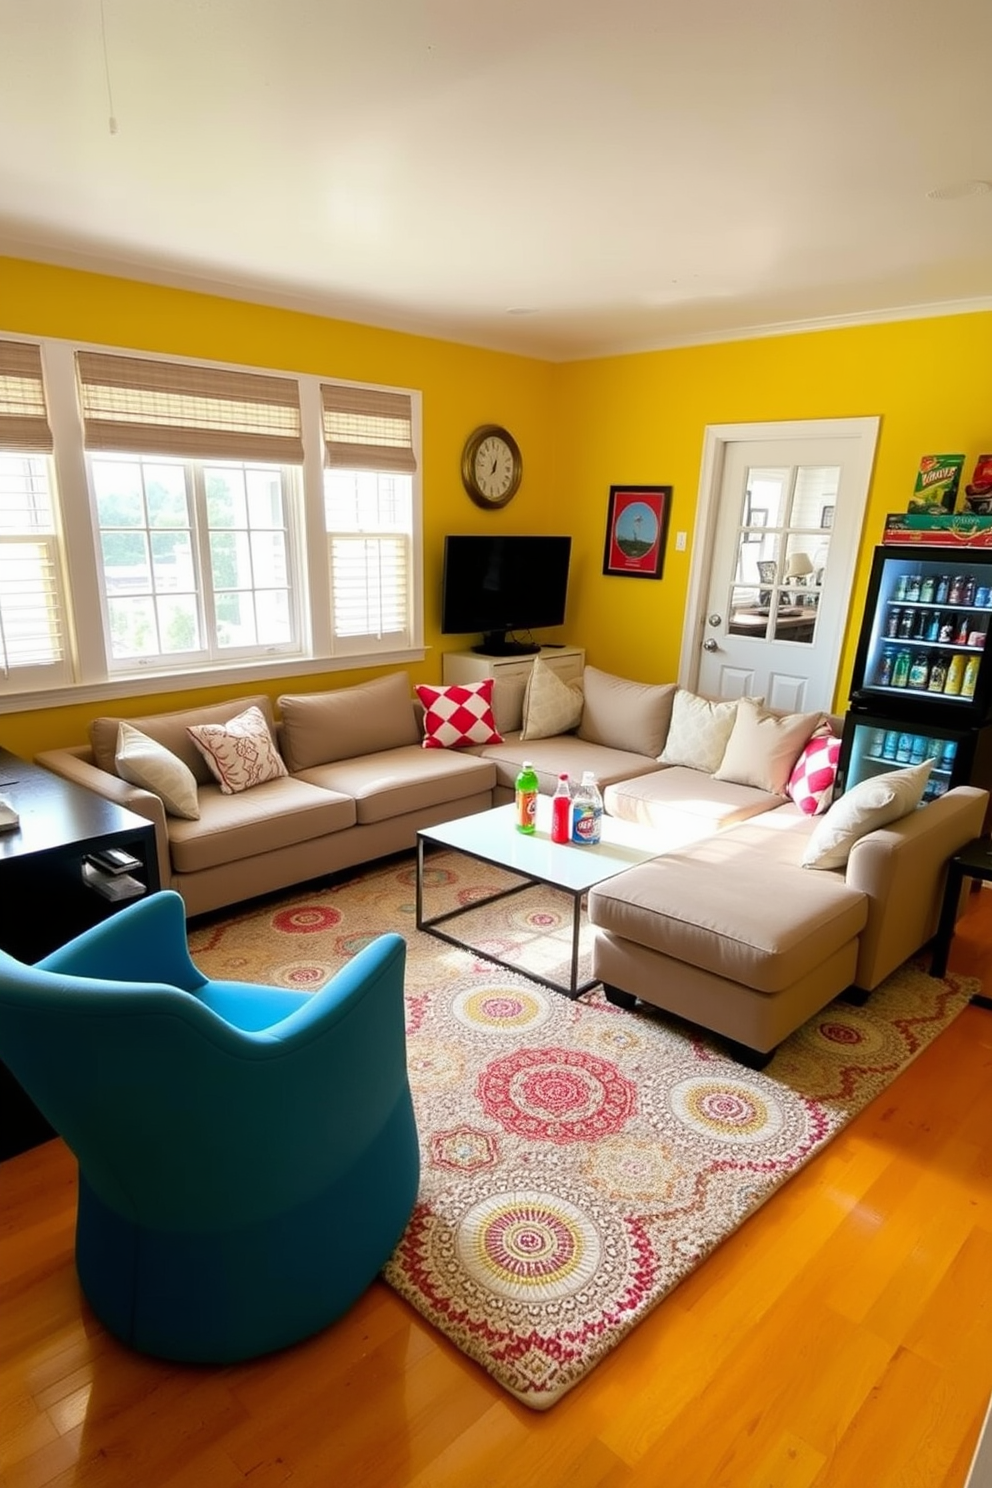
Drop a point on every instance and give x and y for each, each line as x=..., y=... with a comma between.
x=367, y=429
x=23, y=413
x=193, y=412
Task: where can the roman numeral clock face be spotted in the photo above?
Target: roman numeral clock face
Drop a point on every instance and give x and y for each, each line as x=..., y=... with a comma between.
x=491, y=466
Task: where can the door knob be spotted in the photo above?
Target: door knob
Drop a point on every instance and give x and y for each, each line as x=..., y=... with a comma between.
x=714, y=619
x=710, y=645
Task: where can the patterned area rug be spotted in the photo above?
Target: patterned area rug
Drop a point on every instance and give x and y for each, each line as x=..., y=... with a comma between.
x=578, y=1160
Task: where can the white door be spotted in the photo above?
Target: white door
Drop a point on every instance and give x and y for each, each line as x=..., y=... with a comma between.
x=774, y=565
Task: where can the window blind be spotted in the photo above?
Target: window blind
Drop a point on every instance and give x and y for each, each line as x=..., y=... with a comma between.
x=190, y=411
x=23, y=413
x=367, y=429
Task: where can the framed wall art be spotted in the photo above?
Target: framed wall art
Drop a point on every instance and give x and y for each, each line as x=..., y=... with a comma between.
x=637, y=530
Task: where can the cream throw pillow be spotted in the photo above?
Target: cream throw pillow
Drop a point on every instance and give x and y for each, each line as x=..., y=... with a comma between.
x=870, y=804
x=140, y=761
x=551, y=706
x=699, y=732
x=241, y=753
x=763, y=747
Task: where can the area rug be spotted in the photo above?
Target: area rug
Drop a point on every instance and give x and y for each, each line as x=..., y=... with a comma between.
x=577, y=1160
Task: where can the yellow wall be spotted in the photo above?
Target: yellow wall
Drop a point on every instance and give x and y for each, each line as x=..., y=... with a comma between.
x=462, y=387
x=582, y=428
x=641, y=419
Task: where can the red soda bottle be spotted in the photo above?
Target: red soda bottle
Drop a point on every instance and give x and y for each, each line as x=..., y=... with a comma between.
x=561, y=811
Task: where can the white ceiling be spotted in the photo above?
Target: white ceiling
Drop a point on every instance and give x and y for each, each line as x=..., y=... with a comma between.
x=561, y=178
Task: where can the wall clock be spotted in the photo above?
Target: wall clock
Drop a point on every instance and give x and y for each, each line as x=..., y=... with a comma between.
x=491, y=466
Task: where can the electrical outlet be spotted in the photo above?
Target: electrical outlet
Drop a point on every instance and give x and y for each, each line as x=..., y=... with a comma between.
x=680, y=538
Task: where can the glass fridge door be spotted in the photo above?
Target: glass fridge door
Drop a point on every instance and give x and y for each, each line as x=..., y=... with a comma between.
x=874, y=744
x=924, y=634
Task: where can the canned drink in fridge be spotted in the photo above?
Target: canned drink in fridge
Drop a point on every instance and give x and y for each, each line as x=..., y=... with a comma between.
x=891, y=745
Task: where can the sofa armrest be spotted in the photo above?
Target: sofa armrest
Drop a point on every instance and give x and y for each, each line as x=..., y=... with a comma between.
x=902, y=869
x=76, y=764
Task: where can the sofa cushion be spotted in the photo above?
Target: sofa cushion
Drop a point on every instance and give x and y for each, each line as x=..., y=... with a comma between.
x=399, y=781
x=699, y=730
x=170, y=730
x=683, y=804
x=633, y=716
x=562, y=752
x=458, y=715
x=689, y=905
x=551, y=705
x=278, y=813
x=869, y=804
x=319, y=727
x=241, y=754
x=763, y=747
x=140, y=761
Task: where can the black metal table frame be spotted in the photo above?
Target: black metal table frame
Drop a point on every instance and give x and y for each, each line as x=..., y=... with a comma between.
x=573, y=989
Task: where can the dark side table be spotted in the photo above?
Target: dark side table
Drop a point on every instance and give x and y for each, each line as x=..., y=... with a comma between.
x=973, y=861
x=45, y=898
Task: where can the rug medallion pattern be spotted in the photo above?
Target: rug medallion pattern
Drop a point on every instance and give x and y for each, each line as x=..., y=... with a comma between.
x=578, y=1160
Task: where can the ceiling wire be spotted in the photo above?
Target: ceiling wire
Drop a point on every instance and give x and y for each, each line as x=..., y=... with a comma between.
x=112, y=121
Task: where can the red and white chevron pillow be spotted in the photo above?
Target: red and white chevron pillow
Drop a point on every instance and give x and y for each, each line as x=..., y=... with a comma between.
x=811, y=783
x=459, y=715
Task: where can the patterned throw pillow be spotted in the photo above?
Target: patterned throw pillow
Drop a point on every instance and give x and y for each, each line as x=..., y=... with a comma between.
x=240, y=753
x=699, y=732
x=551, y=706
x=459, y=715
x=811, y=783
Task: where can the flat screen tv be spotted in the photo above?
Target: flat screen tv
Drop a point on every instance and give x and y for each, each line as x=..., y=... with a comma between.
x=500, y=585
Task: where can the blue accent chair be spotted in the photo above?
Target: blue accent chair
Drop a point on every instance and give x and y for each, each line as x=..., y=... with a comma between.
x=248, y=1156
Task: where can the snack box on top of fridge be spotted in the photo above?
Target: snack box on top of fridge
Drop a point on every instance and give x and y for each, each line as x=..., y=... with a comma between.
x=952, y=530
x=937, y=482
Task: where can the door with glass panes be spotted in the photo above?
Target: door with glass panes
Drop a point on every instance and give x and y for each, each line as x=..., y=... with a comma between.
x=786, y=534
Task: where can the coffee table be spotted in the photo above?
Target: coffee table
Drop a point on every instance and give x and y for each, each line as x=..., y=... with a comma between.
x=492, y=837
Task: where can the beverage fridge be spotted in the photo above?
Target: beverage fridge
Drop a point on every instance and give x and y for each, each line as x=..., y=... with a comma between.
x=922, y=681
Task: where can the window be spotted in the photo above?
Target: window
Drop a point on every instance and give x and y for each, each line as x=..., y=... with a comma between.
x=195, y=554
x=194, y=559
x=33, y=649
x=205, y=518
x=368, y=509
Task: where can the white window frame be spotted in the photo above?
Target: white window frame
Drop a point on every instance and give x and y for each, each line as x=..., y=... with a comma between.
x=210, y=654
x=319, y=650
x=18, y=676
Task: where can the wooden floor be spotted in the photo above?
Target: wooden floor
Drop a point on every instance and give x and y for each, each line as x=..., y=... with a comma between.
x=841, y=1339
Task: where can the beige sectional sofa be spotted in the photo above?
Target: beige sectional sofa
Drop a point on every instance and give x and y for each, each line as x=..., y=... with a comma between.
x=726, y=927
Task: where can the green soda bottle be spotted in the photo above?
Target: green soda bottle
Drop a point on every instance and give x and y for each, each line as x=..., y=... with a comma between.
x=527, y=798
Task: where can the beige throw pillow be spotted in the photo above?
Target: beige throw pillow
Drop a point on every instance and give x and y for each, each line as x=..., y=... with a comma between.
x=140, y=761
x=625, y=715
x=551, y=706
x=699, y=732
x=865, y=807
x=763, y=747
x=241, y=753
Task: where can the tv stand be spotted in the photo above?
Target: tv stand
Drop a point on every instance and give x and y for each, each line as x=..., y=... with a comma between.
x=511, y=673
x=496, y=643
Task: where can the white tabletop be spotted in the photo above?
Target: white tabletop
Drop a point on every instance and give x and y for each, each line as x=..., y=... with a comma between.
x=493, y=837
